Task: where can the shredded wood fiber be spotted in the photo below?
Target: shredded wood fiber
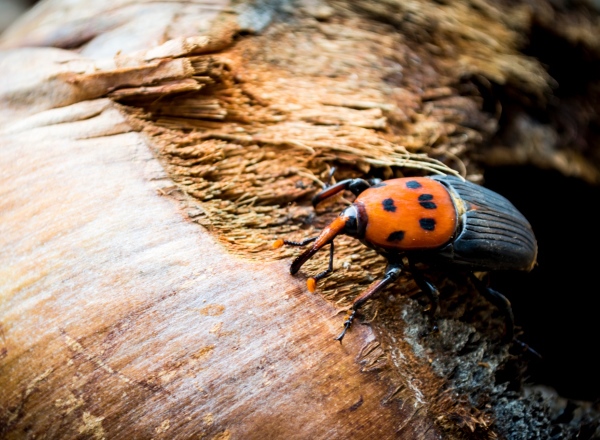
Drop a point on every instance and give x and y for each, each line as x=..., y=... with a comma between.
x=252, y=134
x=272, y=115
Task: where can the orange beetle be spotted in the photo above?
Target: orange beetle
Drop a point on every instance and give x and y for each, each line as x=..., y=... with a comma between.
x=442, y=220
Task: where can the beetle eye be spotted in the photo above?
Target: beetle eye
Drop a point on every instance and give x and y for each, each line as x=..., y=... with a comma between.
x=351, y=227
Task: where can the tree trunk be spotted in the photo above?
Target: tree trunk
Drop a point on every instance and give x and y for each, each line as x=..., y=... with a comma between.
x=152, y=153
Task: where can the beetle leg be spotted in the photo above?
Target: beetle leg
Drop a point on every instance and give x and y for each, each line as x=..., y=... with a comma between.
x=504, y=306
x=372, y=182
x=527, y=348
x=432, y=293
x=501, y=302
x=356, y=186
x=392, y=272
x=330, y=177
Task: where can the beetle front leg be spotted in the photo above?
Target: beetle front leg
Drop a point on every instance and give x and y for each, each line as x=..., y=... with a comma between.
x=356, y=186
x=392, y=272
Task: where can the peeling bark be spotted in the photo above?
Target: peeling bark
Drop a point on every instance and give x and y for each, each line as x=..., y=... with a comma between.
x=151, y=153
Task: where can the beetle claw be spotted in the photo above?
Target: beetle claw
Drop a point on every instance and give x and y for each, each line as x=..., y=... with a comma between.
x=347, y=325
x=526, y=347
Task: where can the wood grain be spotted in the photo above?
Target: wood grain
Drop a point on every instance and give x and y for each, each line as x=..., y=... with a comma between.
x=121, y=319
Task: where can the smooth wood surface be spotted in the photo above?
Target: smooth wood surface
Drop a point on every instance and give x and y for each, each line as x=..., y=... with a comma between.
x=121, y=319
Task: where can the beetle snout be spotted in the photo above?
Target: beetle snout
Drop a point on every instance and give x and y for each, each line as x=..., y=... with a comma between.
x=326, y=236
x=301, y=259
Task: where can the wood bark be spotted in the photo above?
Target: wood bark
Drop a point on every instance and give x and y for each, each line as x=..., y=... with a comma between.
x=151, y=153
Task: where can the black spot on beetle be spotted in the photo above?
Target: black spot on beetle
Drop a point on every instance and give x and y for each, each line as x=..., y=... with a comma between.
x=427, y=223
x=396, y=236
x=388, y=205
x=413, y=184
x=426, y=201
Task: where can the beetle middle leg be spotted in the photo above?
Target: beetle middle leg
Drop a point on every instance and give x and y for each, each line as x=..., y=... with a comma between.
x=392, y=272
x=431, y=291
x=501, y=302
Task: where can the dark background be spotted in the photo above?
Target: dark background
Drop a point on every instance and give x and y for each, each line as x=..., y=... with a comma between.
x=556, y=303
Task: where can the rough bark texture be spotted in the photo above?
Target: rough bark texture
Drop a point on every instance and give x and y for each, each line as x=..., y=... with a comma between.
x=152, y=152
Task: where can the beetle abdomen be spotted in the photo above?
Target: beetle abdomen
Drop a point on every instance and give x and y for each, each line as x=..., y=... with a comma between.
x=493, y=234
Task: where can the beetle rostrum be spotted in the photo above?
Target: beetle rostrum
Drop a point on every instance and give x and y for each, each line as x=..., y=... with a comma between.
x=438, y=220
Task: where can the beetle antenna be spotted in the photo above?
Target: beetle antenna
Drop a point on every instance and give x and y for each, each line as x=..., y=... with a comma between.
x=280, y=242
x=330, y=268
x=300, y=243
x=311, y=283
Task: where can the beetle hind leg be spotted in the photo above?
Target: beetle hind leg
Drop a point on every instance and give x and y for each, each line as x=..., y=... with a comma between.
x=392, y=272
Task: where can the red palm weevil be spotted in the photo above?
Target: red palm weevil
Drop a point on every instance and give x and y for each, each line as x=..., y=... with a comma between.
x=439, y=220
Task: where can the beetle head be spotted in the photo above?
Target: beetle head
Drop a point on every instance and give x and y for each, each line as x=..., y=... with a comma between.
x=355, y=221
x=350, y=222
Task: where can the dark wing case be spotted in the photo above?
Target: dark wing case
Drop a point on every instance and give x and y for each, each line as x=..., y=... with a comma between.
x=493, y=234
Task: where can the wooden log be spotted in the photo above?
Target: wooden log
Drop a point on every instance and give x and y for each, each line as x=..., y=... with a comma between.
x=150, y=153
